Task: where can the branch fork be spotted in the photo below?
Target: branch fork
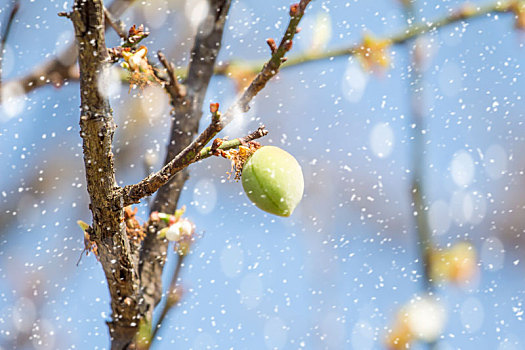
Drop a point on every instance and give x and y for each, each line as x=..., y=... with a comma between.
x=135, y=280
x=132, y=194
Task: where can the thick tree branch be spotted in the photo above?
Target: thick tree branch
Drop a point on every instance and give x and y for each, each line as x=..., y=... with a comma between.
x=187, y=111
x=97, y=128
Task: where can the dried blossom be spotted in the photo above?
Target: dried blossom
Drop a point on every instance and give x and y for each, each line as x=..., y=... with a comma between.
x=239, y=157
x=135, y=35
x=134, y=229
x=89, y=244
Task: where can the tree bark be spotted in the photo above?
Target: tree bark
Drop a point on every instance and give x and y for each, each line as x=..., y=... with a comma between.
x=97, y=128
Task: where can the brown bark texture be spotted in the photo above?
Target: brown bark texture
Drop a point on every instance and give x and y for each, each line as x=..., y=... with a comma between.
x=97, y=128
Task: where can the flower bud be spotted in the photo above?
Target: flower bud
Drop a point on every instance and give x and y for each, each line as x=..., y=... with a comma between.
x=180, y=230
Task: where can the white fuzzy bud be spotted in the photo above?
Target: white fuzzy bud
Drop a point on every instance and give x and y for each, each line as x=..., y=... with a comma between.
x=179, y=230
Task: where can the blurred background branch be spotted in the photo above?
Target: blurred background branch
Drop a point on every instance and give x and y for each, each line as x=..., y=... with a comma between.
x=56, y=72
x=6, y=29
x=419, y=130
x=62, y=68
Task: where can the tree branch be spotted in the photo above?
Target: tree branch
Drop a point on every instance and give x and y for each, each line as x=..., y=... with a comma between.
x=226, y=145
x=176, y=90
x=55, y=72
x=172, y=298
x=424, y=236
x=187, y=111
x=271, y=67
x=134, y=193
x=97, y=128
x=195, y=151
x=116, y=24
x=62, y=67
x=5, y=35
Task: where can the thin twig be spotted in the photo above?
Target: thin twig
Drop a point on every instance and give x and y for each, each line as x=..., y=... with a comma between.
x=226, y=145
x=134, y=193
x=172, y=298
x=5, y=34
x=271, y=67
x=175, y=89
x=116, y=24
x=191, y=154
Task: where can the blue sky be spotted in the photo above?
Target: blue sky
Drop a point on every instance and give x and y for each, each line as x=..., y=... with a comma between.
x=334, y=274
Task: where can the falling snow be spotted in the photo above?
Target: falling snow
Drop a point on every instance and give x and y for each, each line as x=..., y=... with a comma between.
x=445, y=111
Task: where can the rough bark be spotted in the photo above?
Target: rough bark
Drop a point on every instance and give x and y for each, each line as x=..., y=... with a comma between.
x=97, y=129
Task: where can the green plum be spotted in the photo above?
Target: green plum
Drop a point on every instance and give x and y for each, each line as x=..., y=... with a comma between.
x=273, y=180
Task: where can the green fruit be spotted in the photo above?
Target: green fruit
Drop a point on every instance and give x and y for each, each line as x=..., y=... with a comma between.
x=273, y=180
